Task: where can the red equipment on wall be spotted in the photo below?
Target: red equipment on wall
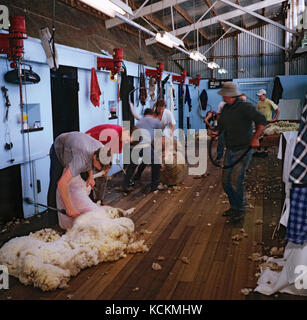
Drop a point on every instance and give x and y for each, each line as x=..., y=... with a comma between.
x=11, y=43
x=180, y=79
x=195, y=81
x=157, y=74
x=114, y=65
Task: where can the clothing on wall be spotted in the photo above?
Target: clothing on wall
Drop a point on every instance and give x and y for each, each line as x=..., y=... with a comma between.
x=187, y=98
x=203, y=98
x=163, y=85
x=180, y=105
x=126, y=86
x=143, y=91
x=277, y=90
x=95, y=90
x=171, y=94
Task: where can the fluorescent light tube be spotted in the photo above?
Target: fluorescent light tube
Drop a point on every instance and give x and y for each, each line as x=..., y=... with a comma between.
x=109, y=7
x=213, y=65
x=162, y=38
x=222, y=71
x=197, y=56
x=168, y=39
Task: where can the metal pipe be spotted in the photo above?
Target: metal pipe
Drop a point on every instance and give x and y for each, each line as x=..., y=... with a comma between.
x=134, y=24
x=213, y=4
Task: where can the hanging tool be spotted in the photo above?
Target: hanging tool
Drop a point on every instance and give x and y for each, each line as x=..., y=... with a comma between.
x=195, y=81
x=230, y=165
x=8, y=145
x=114, y=65
x=29, y=201
x=157, y=74
x=181, y=78
x=28, y=76
x=11, y=43
x=7, y=102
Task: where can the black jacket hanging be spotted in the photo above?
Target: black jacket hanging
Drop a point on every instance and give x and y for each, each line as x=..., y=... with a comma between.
x=188, y=98
x=203, y=99
x=126, y=86
x=277, y=90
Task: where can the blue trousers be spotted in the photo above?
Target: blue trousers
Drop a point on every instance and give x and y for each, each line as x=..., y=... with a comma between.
x=233, y=178
x=220, y=145
x=155, y=171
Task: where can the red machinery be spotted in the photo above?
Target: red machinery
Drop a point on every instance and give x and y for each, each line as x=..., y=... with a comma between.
x=195, y=81
x=114, y=65
x=157, y=74
x=180, y=79
x=11, y=43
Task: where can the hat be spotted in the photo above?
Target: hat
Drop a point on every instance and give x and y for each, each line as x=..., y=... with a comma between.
x=229, y=89
x=261, y=92
x=105, y=155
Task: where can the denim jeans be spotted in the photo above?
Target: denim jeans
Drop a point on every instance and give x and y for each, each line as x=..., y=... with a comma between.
x=155, y=171
x=233, y=178
x=220, y=145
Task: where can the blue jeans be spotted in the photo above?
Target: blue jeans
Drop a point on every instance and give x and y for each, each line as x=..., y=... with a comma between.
x=220, y=145
x=233, y=178
x=155, y=171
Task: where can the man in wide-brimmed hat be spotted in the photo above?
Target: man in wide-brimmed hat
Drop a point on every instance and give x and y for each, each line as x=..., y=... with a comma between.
x=235, y=122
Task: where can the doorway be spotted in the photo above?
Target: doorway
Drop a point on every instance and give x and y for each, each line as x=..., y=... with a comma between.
x=251, y=89
x=11, y=194
x=65, y=105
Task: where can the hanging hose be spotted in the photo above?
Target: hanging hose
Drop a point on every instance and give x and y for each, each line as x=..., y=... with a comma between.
x=229, y=165
x=53, y=36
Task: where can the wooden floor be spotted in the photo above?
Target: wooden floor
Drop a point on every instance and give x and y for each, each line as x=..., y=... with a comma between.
x=184, y=225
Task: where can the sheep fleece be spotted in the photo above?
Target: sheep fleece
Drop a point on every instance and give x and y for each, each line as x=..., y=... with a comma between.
x=94, y=238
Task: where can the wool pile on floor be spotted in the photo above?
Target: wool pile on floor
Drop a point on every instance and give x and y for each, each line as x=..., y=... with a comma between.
x=103, y=234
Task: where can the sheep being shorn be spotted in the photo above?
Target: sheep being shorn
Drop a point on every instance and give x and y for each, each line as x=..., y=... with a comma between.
x=103, y=234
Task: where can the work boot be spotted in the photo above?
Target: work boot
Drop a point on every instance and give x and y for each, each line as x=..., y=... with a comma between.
x=263, y=154
x=237, y=216
x=228, y=213
x=127, y=189
x=131, y=183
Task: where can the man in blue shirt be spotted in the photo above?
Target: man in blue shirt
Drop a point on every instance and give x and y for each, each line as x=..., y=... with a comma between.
x=147, y=127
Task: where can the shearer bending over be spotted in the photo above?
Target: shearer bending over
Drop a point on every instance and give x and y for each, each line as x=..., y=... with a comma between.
x=114, y=137
x=71, y=154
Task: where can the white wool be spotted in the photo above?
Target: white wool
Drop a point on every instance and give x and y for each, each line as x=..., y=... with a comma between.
x=279, y=127
x=103, y=234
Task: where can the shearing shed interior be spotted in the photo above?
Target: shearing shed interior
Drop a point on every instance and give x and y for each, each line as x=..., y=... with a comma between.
x=153, y=150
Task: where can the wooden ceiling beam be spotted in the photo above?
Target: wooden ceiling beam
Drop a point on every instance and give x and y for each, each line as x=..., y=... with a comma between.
x=188, y=18
x=157, y=22
x=97, y=14
x=234, y=33
x=209, y=4
x=242, y=17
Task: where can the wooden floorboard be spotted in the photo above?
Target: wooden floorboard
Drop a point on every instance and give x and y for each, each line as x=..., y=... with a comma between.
x=201, y=261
